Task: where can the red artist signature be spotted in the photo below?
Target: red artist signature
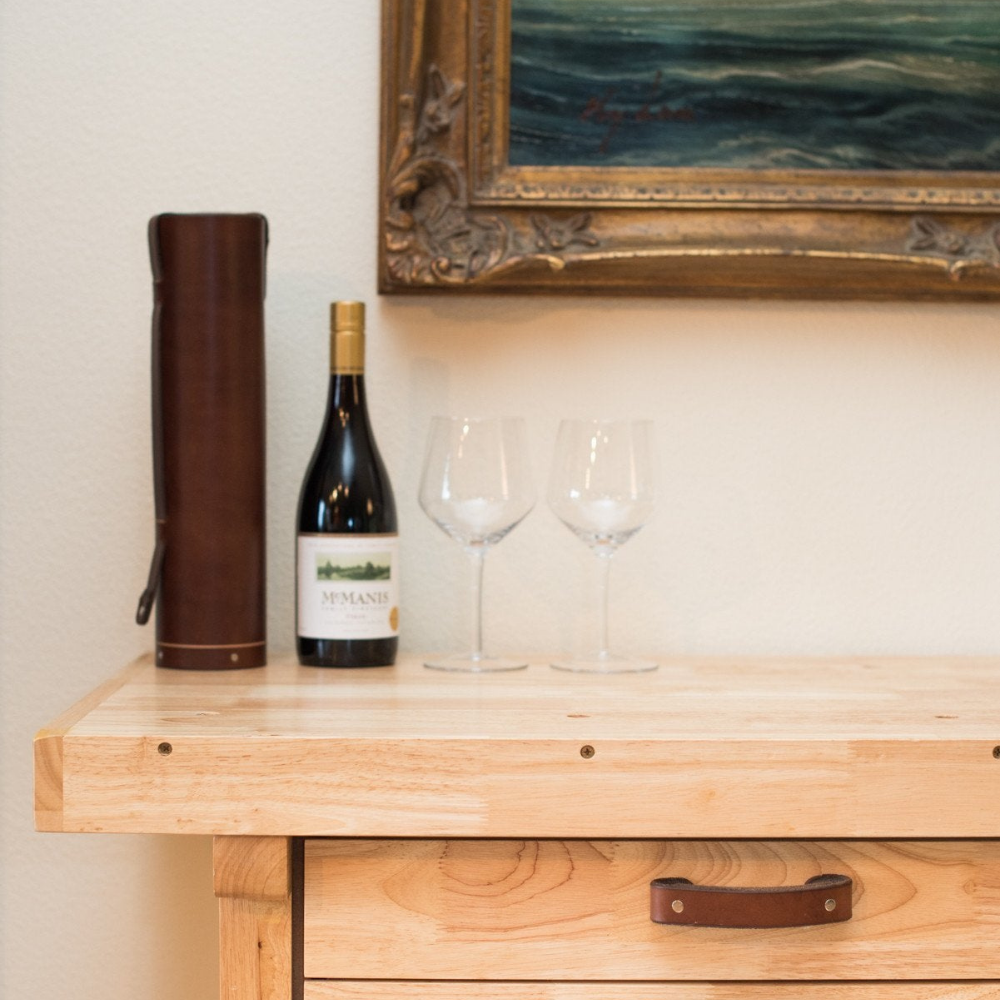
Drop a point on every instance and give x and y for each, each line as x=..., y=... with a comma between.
x=599, y=111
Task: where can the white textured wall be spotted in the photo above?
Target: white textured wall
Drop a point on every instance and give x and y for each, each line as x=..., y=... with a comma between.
x=831, y=473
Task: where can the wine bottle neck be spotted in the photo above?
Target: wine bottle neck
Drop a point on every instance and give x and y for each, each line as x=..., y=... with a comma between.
x=347, y=393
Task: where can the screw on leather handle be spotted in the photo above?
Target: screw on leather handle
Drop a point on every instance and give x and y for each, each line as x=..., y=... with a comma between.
x=824, y=899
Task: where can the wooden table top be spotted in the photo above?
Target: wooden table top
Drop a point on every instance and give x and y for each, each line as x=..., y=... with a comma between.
x=721, y=747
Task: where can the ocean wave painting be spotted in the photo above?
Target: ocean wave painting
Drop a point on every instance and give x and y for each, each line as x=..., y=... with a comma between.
x=903, y=85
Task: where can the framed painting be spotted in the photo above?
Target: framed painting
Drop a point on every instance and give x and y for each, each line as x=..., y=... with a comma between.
x=796, y=148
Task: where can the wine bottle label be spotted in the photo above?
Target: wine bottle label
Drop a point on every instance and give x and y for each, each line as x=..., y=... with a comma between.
x=348, y=586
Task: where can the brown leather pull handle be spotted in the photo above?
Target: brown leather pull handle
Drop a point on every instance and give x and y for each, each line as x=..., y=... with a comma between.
x=824, y=899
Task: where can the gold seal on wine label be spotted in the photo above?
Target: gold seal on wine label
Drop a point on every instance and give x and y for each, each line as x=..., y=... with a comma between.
x=347, y=338
x=394, y=619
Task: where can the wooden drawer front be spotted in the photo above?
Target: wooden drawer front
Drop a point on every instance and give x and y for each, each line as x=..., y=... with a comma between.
x=565, y=910
x=320, y=989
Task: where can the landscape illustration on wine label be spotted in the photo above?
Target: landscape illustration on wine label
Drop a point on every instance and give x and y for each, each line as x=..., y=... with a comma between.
x=756, y=84
x=376, y=566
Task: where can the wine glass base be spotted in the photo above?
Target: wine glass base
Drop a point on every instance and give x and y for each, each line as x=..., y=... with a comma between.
x=468, y=664
x=605, y=665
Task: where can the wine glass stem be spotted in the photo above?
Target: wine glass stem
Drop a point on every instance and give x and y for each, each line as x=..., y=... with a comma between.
x=477, y=556
x=604, y=575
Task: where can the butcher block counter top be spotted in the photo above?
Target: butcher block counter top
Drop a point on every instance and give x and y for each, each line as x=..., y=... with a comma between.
x=791, y=748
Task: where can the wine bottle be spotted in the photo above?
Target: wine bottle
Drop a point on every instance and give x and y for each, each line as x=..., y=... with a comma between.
x=347, y=554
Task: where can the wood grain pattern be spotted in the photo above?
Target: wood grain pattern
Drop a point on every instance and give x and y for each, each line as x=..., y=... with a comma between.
x=48, y=750
x=578, y=910
x=254, y=951
x=255, y=918
x=319, y=989
x=252, y=868
x=808, y=750
x=754, y=748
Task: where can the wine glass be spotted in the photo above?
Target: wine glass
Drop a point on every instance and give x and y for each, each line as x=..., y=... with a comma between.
x=476, y=486
x=601, y=487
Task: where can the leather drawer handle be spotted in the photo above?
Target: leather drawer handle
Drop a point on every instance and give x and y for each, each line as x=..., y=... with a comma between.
x=824, y=899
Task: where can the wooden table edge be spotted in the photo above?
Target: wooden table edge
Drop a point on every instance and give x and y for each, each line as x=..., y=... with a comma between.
x=48, y=747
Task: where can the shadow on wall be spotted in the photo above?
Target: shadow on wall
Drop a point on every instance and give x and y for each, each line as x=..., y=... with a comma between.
x=186, y=917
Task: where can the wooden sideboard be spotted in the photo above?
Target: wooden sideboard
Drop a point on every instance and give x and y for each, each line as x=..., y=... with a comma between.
x=407, y=834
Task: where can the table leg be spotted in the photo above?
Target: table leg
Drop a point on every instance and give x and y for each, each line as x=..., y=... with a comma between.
x=254, y=884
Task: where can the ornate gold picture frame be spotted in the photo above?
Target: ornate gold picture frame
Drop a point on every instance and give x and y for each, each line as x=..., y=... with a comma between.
x=456, y=214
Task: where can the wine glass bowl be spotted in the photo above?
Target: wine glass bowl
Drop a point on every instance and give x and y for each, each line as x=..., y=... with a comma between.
x=476, y=486
x=473, y=520
x=607, y=522
x=602, y=488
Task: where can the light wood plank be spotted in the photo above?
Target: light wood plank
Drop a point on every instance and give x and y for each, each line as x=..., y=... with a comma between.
x=48, y=748
x=255, y=918
x=254, y=955
x=701, y=748
x=318, y=989
x=881, y=698
x=252, y=868
x=580, y=910
x=385, y=788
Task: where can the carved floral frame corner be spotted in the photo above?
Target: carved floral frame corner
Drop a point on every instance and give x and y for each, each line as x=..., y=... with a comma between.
x=454, y=216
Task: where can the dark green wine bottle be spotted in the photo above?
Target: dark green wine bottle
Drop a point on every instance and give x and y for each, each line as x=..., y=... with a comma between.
x=347, y=569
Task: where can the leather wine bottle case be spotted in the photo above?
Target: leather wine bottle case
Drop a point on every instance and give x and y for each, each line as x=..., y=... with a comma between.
x=207, y=577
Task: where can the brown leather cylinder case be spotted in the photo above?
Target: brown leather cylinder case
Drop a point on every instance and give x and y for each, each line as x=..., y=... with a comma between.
x=208, y=440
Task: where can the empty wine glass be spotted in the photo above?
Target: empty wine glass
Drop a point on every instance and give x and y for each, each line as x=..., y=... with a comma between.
x=601, y=488
x=476, y=486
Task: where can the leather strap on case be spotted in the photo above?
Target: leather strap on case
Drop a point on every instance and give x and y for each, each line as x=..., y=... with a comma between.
x=824, y=899
x=148, y=597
